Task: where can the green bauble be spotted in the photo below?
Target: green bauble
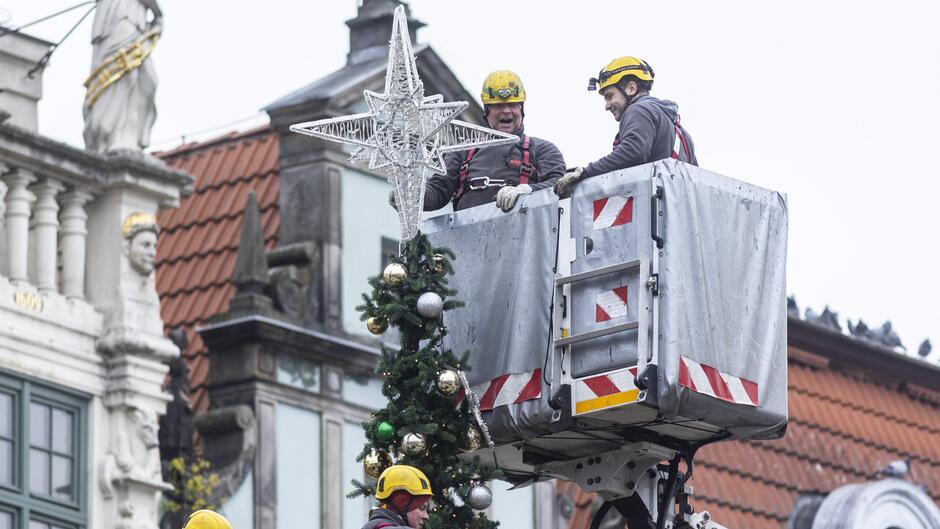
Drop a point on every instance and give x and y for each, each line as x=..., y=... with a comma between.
x=385, y=432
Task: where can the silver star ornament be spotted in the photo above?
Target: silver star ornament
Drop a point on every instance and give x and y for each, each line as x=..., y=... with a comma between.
x=405, y=134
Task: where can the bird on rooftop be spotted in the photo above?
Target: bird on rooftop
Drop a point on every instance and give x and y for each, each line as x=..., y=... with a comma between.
x=924, y=348
x=793, y=310
x=858, y=329
x=897, y=469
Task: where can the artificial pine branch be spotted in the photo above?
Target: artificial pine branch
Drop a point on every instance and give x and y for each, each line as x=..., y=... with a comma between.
x=414, y=403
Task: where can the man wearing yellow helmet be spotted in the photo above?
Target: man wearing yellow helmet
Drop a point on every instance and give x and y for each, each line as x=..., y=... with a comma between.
x=502, y=173
x=649, y=127
x=206, y=519
x=403, y=493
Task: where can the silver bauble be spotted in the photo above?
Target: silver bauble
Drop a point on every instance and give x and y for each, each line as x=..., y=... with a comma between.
x=394, y=274
x=448, y=382
x=480, y=497
x=414, y=444
x=430, y=305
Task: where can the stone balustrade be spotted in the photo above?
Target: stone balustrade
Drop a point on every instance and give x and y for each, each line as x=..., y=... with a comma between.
x=61, y=215
x=43, y=235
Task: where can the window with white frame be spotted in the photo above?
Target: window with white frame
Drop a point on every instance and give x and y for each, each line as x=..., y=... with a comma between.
x=42, y=456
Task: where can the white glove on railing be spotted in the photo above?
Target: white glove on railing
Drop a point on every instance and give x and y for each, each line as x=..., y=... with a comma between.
x=564, y=184
x=507, y=196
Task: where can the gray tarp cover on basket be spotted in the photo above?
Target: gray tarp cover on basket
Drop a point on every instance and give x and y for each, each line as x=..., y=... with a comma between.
x=721, y=276
x=503, y=272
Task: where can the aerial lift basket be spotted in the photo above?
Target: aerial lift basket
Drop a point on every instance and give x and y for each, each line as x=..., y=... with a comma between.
x=648, y=311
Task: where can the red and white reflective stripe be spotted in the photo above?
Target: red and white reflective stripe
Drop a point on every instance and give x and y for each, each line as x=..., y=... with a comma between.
x=612, y=211
x=610, y=383
x=709, y=381
x=511, y=388
x=611, y=304
x=605, y=391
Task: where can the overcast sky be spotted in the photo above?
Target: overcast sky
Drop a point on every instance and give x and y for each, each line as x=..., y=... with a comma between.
x=834, y=103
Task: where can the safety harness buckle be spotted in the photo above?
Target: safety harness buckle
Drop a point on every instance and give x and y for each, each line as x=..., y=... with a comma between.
x=483, y=182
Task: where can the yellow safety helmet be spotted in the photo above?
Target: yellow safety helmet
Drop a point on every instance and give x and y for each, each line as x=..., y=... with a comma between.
x=206, y=519
x=619, y=68
x=402, y=477
x=502, y=86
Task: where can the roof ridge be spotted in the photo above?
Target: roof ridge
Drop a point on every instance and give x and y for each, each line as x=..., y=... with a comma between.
x=865, y=409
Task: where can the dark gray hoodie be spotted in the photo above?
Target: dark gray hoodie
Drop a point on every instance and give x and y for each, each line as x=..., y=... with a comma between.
x=647, y=133
x=385, y=518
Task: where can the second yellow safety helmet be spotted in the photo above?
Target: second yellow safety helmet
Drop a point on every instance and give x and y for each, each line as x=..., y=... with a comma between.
x=619, y=68
x=502, y=86
x=206, y=519
x=402, y=477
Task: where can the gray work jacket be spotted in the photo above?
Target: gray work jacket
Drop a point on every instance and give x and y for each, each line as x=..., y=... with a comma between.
x=647, y=133
x=500, y=162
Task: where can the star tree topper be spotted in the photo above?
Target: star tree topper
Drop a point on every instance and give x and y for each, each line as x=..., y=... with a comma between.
x=405, y=133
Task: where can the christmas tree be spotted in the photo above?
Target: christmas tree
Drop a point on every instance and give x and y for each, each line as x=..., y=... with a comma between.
x=428, y=421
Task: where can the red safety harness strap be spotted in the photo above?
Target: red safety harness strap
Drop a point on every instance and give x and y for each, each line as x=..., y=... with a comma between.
x=680, y=143
x=526, y=169
x=385, y=524
x=464, y=170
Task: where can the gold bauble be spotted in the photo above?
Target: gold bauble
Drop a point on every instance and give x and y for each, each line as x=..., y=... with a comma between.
x=473, y=439
x=377, y=325
x=375, y=463
x=394, y=274
x=448, y=382
x=414, y=444
x=438, y=267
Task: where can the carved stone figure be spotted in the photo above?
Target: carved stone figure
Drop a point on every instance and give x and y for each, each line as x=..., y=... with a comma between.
x=140, y=242
x=119, y=105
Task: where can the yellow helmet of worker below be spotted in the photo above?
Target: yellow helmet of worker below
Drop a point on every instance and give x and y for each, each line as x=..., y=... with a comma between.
x=402, y=477
x=502, y=86
x=619, y=68
x=206, y=519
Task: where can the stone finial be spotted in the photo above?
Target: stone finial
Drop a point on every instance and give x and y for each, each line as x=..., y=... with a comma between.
x=251, y=267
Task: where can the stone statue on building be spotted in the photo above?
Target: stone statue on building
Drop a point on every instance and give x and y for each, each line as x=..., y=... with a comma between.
x=119, y=104
x=140, y=243
x=133, y=321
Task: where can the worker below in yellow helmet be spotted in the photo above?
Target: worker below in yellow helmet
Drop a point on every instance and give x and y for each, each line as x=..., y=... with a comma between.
x=403, y=493
x=649, y=127
x=501, y=173
x=206, y=519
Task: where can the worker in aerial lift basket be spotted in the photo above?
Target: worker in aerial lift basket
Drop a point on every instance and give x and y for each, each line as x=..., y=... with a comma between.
x=502, y=173
x=403, y=493
x=649, y=127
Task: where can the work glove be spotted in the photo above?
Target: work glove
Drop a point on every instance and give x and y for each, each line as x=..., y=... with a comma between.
x=566, y=183
x=391, y=199
x=507, y=196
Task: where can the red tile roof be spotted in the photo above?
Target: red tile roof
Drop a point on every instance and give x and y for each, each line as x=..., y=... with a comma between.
x=199, y=239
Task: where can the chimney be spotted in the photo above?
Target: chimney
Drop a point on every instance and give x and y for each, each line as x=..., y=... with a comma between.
x=371, y=30
x=20, y=93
